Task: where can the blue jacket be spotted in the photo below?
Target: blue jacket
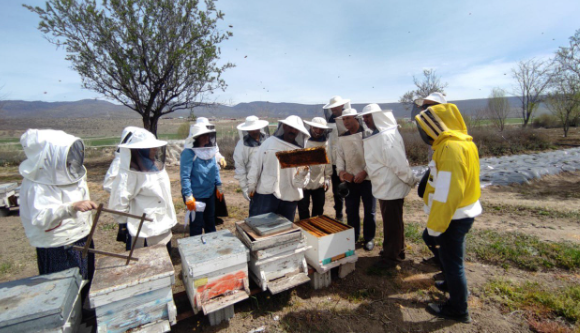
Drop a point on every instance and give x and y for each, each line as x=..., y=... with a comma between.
x=198, y=177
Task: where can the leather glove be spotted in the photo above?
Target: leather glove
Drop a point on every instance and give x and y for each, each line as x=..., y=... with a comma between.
x=246, y=195
x=222, y=162
x=190, y=203
x=218, y=193
x=251, y=195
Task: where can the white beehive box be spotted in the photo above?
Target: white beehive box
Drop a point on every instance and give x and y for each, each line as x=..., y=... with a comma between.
x=215, y=270
x=137, y=296
x=331, y=242
x=277, y=261
x=44, y=303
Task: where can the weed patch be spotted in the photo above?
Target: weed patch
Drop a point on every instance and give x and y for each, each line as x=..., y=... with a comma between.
x=537, y=299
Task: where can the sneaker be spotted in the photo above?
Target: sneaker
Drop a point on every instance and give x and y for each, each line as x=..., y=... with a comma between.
x=444, y=311
x=369, y=246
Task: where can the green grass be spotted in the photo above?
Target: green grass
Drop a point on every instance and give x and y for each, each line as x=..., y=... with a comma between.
x=512, y=249
x=5, y=267
x=537, y=298
x=534, y=211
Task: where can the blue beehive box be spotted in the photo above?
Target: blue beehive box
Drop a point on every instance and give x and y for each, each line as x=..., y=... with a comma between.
x=41, y=303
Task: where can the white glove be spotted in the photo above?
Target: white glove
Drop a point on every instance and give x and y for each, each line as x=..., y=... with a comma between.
x=246, y=196
x=326, y=185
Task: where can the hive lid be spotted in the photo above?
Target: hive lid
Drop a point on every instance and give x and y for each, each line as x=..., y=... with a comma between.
x=111, y=274
x=219, y=245
x=267, y=224
x=38, y=302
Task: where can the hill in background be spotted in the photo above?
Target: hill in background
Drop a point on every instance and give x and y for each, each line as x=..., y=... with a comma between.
x=15, y=109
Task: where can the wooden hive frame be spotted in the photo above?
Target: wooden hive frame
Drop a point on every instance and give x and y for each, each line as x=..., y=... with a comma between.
x=302, y=157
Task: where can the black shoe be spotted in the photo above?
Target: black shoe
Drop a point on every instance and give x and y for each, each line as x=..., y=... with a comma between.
x=439, y=276
x=443, y=311
x=442, y=286
x=369, y=246
x=339, y=218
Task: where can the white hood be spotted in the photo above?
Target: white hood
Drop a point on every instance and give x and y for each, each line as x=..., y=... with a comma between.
x=47, y=152
x=384, y=120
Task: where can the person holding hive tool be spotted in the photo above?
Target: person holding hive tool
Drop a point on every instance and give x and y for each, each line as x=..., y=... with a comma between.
x=319, y=174
x=451, y=199
x=273, y=189
x=351, y=168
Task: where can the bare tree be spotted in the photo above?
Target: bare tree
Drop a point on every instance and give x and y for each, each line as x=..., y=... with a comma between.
x=153, y=56
x=428, y=84
x=533, y=77
x=498, y=108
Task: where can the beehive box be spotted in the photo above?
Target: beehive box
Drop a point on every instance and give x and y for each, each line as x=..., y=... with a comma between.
x=44, y=303
x=331, y=242
x=277, y=261
x=215, y=271
x=137, y=296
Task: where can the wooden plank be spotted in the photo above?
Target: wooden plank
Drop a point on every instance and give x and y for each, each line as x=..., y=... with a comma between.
x=157, y=327
x=268, y=224
x=257, y=238
x=223, y=302
x=93, y=228
x=125, y=214
x=279, y=249
x=110, y=254
x=131, y=291
x=136, y=237
x=281, y=285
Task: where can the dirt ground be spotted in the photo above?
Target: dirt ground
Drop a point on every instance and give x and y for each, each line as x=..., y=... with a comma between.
x=363, y=301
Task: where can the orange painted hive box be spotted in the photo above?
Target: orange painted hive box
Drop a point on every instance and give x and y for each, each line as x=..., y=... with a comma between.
x=215, y=270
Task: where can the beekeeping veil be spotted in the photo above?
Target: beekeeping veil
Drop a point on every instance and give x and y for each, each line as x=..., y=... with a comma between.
x=193, y=141
x=318, y=122
x=331, y=117
x=295, y=122
x=52, y=157
x=126, y=136
x=383, y=120
x=143, y=153
x=252, y=124
x=341, y=129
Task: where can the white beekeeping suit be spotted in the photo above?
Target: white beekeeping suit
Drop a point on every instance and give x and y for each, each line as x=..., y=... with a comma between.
x=337, y=127
x=252, y=133
x=319, y=174
x=267, y=177
x=350, y=152
x=386, y=162
x=219, y=158
x=142, y=186
x=126, y=136
x=54, y=179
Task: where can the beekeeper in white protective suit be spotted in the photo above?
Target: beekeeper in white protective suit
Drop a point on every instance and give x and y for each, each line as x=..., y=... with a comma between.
x=126, y=137
x=391, y=177
x=319, y=174
x=332, y=110
x=142, y=186
x=54, y=200
x=252, y=133
x=219, y=158
x=273, y=189
x=351, y=168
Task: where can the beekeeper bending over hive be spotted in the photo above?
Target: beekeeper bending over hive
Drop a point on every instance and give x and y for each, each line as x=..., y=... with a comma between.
x=142, y=186
x=54, y=200
x=273, y=189
x=252, y=133
x=200, y=178
x=113, y=171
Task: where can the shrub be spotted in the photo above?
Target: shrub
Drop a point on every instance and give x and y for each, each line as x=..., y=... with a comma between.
x=183, y=131
x=546, y=121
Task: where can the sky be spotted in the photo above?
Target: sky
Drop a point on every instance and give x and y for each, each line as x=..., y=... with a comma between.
x=308, y=51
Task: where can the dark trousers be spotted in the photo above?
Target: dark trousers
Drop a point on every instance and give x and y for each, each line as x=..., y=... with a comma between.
x=449, y=249
x=204, y=221
x=357, y=192
x=268, y=203
x=338, y=204
x=393, y=229
x=318, y=200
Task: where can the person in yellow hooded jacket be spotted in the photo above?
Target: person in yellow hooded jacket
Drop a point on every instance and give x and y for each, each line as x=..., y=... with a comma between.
x=451, y=200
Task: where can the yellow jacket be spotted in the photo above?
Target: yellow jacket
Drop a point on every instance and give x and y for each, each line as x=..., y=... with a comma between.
x=453, y=189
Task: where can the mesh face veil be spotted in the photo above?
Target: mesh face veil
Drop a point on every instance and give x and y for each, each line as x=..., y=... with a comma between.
x=148, y=159
x=254, y=138
x=75, y=159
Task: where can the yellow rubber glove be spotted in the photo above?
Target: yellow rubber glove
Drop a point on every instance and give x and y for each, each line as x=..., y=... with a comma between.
x=190, y=203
